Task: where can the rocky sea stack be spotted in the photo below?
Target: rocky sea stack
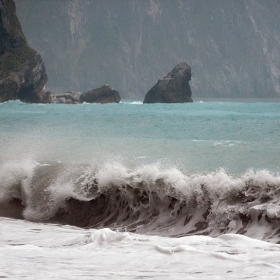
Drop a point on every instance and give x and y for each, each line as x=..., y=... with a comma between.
x=174, y=88
x=104, y=94
x=22, y=71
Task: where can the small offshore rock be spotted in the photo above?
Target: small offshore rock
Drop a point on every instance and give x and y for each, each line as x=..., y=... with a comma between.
x=174, y=88
x=104, y=94
x=68, y=97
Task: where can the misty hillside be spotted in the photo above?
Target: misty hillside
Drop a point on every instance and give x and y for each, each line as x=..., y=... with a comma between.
x=232, y=46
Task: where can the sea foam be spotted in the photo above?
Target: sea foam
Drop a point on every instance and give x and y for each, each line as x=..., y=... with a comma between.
x=147, y=199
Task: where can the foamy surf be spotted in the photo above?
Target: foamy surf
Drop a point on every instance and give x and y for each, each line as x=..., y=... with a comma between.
x=67, y=252
x=149, y=199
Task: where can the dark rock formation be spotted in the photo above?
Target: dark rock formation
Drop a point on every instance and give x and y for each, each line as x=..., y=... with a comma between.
x=174, y=88
x=22, y=71
x=104, y=94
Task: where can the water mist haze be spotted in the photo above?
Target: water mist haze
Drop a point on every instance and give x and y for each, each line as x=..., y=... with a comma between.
x=232, y=46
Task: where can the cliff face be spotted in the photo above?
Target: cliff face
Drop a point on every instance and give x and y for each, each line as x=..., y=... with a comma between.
x=233, y=47
x=22, y=72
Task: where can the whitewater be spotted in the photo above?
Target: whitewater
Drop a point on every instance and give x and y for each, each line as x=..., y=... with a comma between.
x=134, y=191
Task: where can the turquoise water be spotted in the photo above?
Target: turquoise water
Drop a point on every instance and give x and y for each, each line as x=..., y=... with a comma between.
x=167, y=169
x=193, y=137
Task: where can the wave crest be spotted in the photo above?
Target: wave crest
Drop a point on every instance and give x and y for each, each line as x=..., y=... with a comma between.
x=148, y=199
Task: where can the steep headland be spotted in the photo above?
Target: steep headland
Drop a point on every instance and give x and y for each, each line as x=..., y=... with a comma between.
x=174, y=88
x=22, y=71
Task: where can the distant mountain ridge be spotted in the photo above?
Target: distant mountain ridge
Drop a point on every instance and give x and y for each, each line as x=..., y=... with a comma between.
x=233, y=47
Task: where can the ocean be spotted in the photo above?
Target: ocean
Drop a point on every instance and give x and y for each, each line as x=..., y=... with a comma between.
x=140, y=191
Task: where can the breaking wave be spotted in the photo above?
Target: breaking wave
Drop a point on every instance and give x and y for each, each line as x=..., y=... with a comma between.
x=149, y=199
